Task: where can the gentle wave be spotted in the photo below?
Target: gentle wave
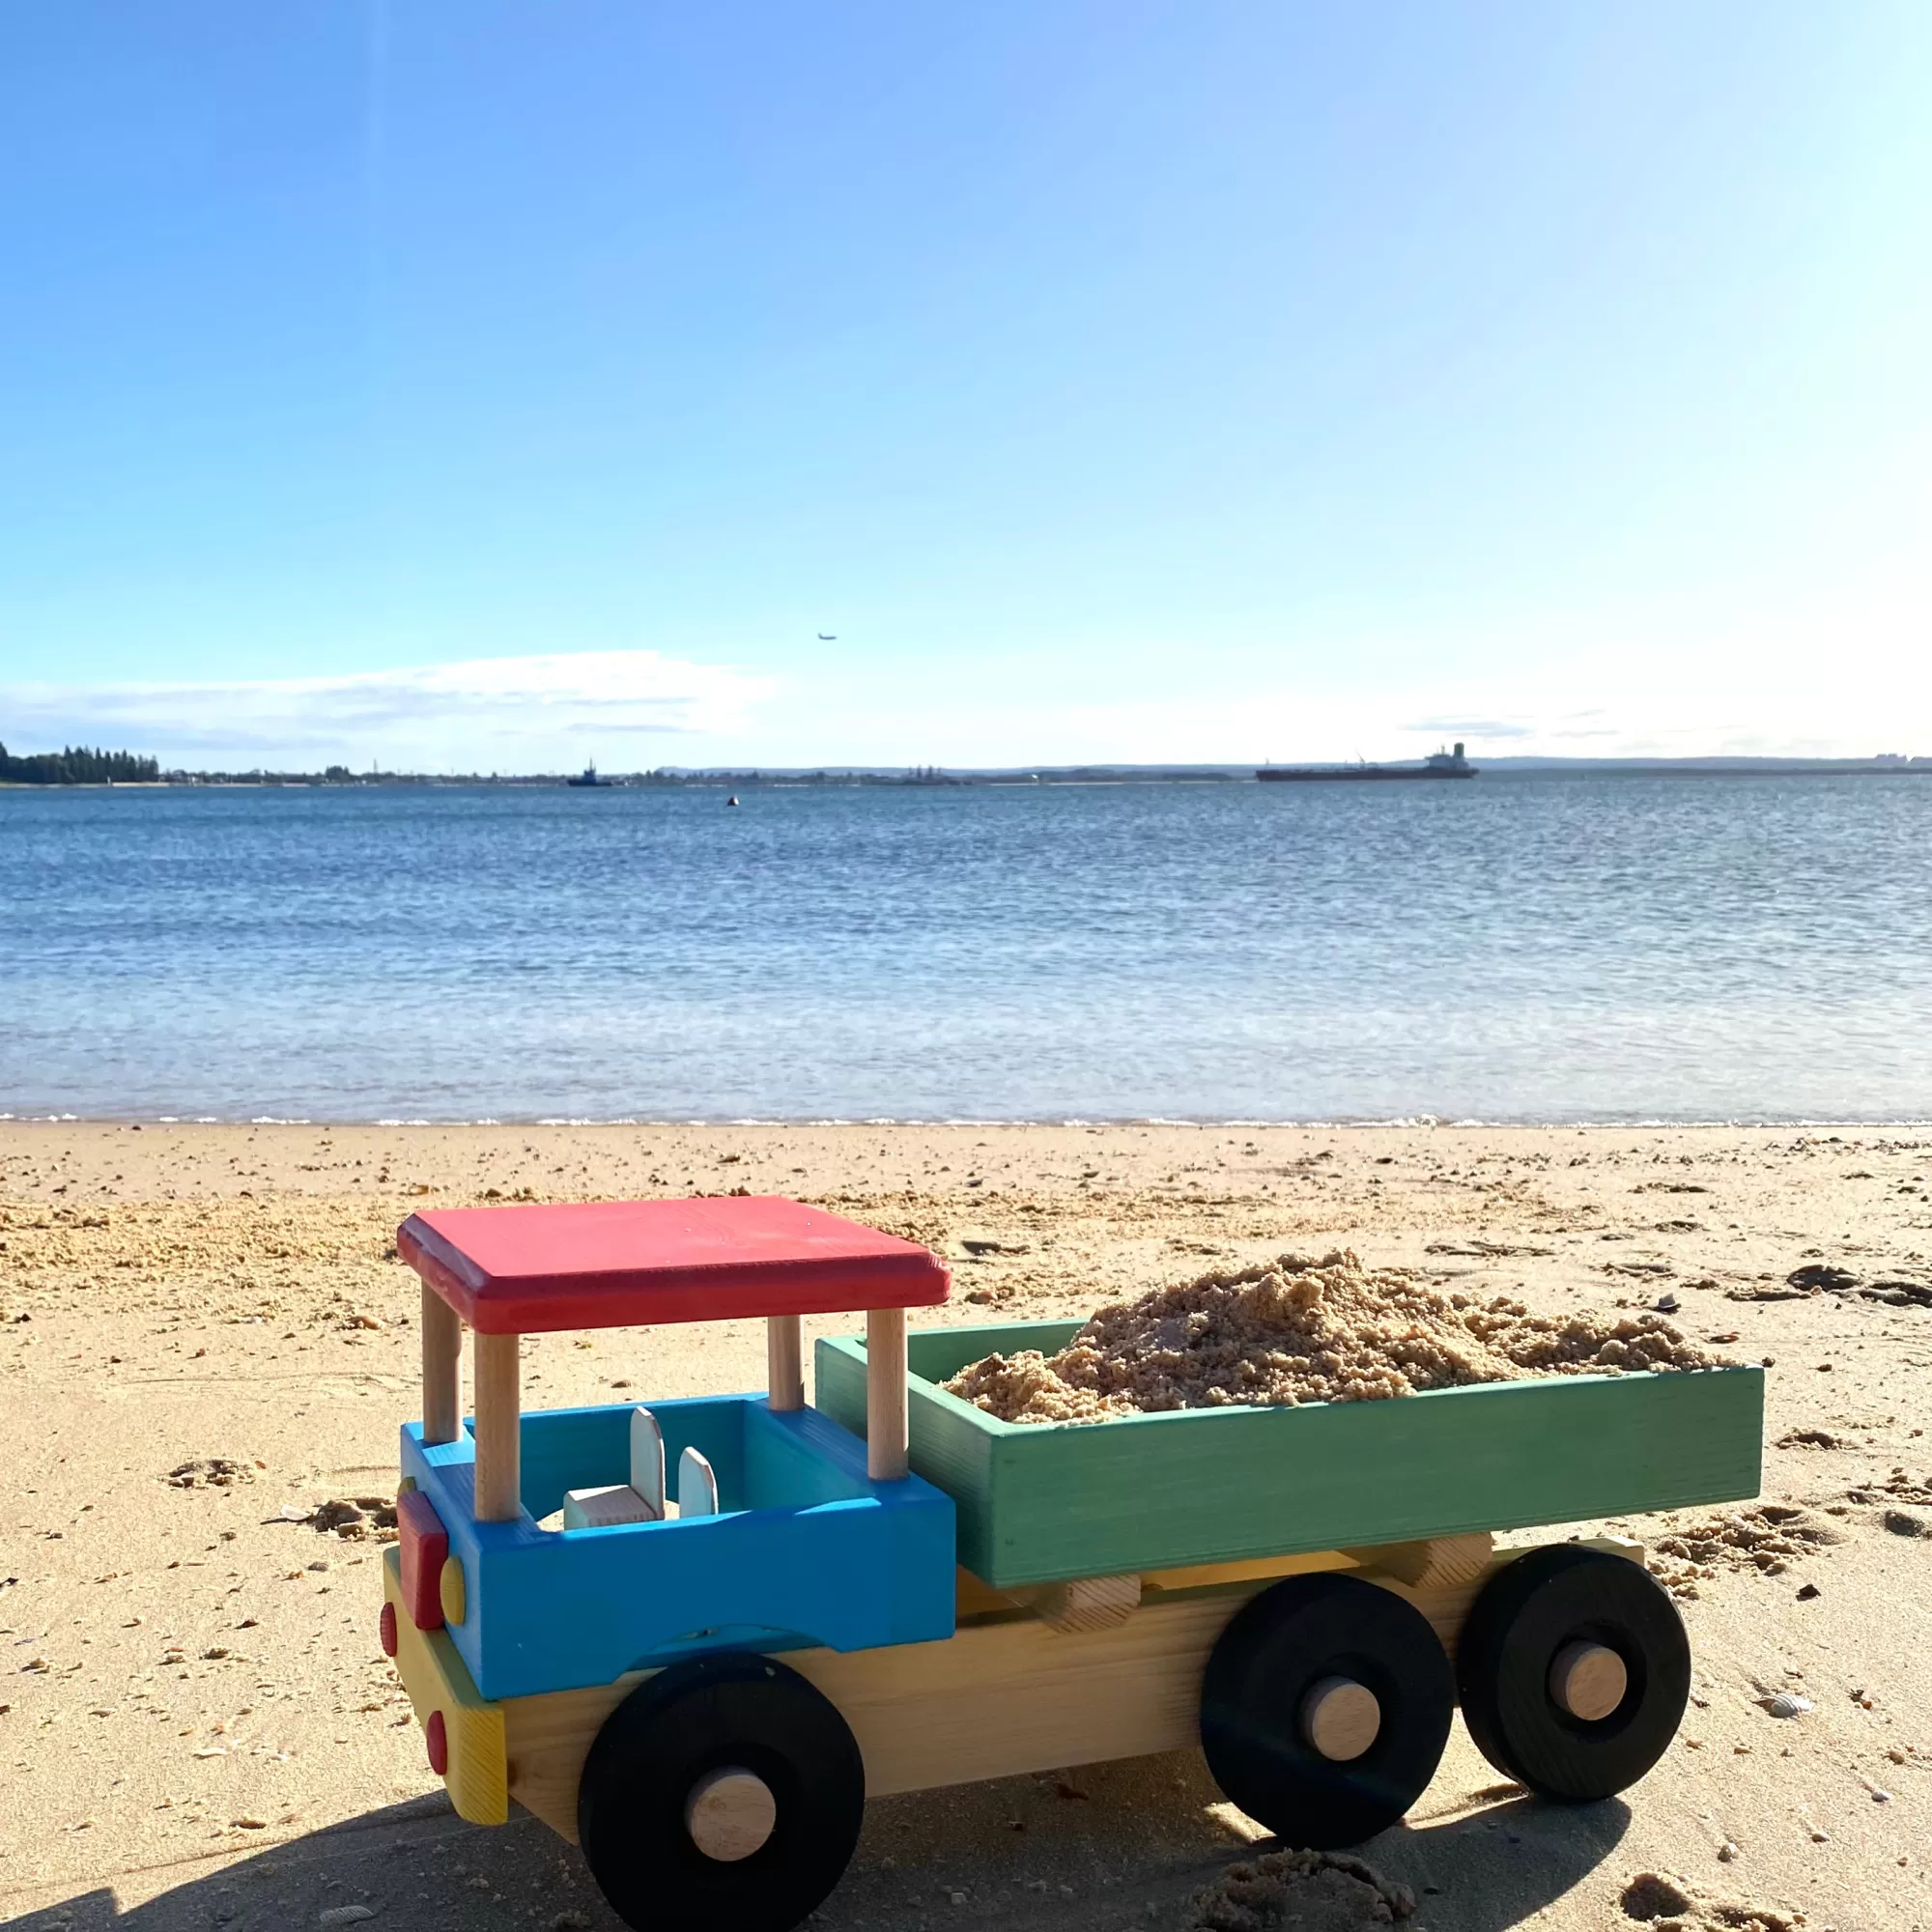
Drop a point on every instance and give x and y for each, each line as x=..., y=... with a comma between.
x=1634, y=951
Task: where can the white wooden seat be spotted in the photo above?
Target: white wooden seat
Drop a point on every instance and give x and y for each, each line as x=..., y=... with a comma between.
x=647, y=1459
x=697, y=1485
x=600, y=1508
x=639, y=1500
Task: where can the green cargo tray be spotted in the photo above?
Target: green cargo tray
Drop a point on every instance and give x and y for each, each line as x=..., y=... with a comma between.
x=1042, y=1503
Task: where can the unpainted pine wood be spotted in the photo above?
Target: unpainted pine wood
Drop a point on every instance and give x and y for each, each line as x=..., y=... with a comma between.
x=498, y=1430
x=993, y=1701
x=1432, y=1561
x=1090, y=1603
x=784, y=1362
x=1446, y=1606
x=973, y=1598
x=989, y=1702
x=1588, y=1680
x=1248, y=1569
x=1341, y=1719
x=954, y=1452
x=441, y=1368
x=730, y=1814
x=1616, y=1545
x=429, y=1670
x=886, y=1394
x=976, y=1598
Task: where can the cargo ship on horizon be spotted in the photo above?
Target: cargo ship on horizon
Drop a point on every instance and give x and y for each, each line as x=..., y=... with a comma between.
x=1438, y=765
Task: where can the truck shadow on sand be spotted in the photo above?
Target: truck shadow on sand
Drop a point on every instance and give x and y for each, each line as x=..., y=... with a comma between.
x=1094, y=1850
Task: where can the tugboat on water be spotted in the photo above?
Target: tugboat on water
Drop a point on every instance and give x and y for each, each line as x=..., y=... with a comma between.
x=588, y=777
x=1438, y=765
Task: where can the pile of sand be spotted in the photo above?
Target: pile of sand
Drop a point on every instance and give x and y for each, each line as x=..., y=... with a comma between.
x=1764, y=1537
x=1295, y=1331
x=1315, y=1891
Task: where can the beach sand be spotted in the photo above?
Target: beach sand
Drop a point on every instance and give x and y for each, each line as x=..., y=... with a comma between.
x=197, y=1726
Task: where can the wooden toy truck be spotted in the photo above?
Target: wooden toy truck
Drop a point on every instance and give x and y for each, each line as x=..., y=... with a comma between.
x=893, y=1591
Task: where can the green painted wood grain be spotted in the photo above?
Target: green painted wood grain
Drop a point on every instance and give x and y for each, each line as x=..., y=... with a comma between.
x=937, y=1353
x=1208, y=1485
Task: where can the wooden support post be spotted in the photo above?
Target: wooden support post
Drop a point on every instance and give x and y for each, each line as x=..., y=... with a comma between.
x=442, y=1367
x=785, y=1360
x=886, y=1394
x=1088, y=1602
x=1435, y=1563
x=498, y=1430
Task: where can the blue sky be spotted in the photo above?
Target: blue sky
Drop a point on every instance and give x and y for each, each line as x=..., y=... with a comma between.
x=486, y=385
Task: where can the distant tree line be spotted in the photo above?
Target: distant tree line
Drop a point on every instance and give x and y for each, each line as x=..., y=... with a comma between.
x=77, y=765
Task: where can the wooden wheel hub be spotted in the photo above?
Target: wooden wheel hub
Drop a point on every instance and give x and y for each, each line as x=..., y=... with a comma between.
x=730, y=1813
x=1341, y=1719
x=1588, y=1680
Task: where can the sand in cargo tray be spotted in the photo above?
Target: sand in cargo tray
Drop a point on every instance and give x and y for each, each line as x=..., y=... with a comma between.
x=1297, y=1330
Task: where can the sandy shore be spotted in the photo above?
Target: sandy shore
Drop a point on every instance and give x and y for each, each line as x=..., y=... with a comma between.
x=197, y=1726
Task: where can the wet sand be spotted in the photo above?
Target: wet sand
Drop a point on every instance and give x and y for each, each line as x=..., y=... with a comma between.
x=197, y=1726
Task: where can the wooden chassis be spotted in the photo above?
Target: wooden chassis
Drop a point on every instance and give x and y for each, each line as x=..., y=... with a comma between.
x=1008, y=1693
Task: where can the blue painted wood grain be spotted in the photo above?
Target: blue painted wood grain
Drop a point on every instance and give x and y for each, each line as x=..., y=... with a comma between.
x=808, y=1549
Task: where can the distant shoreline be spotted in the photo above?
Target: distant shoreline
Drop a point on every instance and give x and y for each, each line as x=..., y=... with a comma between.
x=952, y=778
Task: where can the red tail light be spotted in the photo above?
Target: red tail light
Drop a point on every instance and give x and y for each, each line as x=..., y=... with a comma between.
x=424, y=1548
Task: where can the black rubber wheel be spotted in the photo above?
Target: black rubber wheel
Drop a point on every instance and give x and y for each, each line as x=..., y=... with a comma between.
x=656, y=1751
x=1278, y=1648
x=1527, y=1614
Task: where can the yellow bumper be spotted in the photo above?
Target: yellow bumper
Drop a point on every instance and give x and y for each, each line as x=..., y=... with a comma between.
x=478, y=1775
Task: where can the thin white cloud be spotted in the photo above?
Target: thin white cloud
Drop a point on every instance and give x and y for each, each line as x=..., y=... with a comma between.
x=1470, y=727
x=489, y=712
x=1863, y=684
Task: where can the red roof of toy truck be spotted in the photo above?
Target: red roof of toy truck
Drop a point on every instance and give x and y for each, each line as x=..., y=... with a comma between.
x=613, y=1264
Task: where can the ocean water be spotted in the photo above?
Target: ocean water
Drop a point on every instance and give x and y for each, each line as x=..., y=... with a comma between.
x=1524, y=949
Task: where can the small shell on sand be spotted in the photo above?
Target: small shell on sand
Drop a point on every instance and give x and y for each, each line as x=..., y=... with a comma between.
x=1295, y=1331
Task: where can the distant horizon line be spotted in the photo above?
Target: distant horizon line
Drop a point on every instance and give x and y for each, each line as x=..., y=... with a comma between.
x=336, y=775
